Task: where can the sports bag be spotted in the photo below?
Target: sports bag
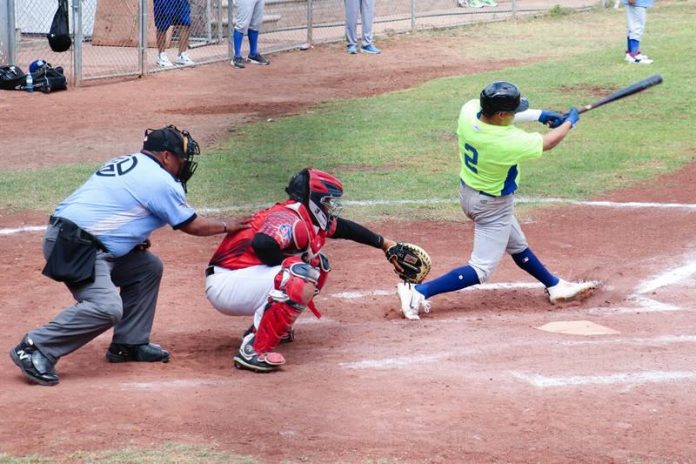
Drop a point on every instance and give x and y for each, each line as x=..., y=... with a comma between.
x=48, y=79
x=59, y=34
x=12, y=78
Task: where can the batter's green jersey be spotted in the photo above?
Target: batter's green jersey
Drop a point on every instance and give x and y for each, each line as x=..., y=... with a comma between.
x=490, y=154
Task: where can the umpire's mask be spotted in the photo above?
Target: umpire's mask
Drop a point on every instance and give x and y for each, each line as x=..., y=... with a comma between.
x=176, y=141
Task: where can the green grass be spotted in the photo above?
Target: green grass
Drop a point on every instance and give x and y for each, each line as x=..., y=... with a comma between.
x=402, y=146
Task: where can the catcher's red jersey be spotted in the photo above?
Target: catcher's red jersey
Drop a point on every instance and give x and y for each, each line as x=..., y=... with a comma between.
x=288, y=223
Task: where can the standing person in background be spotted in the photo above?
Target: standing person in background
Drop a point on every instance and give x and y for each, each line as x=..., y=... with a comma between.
x=172, y=13
x=248, y=20
x=636, y=13
x=364, y=9
x=490, y=150
x=97, y=242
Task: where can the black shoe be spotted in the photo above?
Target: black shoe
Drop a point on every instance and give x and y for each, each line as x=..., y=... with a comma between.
x=289, y=336
x=258, y=59
x=247, y=358
x=34, y=365
x=147, y=352
x=238, y=62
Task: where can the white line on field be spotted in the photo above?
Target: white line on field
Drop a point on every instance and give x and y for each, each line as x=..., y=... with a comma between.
x=432, y=201
x=393, y=363
x=629, y=378
x=654, y=341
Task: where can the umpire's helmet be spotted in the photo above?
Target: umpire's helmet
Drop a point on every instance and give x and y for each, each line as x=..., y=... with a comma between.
x=502, y=96
x=178, y=142
x=319, y=191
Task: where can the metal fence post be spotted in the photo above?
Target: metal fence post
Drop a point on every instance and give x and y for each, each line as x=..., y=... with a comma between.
x=142, y=35
x=11, y=33
x=230, y=30
x=310, y=20
x=514, y=8
x=218, y=15
x=78, y=36
x=413, y=15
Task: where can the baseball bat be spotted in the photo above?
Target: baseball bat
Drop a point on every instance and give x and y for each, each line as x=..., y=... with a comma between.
x=623, y=93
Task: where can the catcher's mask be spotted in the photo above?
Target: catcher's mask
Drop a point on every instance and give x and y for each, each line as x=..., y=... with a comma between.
x=319, y=192
x=176, y=141
x=502, y=97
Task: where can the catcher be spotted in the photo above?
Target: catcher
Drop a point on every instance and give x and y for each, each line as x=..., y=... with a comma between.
x=273, y=269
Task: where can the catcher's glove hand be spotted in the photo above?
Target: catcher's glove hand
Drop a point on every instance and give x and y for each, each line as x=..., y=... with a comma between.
x=410, y=261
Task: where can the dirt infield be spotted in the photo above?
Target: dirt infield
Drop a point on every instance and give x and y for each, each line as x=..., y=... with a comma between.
x=474, y=381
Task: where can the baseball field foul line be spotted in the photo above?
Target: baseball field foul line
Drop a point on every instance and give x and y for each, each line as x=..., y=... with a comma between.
x=627, y=378
x=607, y=204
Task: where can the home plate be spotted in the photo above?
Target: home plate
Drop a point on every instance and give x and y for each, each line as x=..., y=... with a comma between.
x=577, y=328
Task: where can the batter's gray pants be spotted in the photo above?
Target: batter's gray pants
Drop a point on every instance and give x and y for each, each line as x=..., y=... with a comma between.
x=635, y=20
x=249, y=15
x=100, y=305
x=496, y=229
x=366, y=10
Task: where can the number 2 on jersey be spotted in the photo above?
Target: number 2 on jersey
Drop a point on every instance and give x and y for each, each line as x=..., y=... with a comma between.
x=471, y=158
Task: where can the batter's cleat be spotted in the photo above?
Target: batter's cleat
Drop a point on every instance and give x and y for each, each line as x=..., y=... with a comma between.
x=146, y=352
x=34, y=365
x=569, y=291
x=250, y=360
x=258, y=59
x=163, y=61
x=238, y=62
x=412, y=301
x=370, y=49
x=184, y=60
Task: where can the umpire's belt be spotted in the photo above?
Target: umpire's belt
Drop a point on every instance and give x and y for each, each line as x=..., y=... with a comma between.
x=60, y=222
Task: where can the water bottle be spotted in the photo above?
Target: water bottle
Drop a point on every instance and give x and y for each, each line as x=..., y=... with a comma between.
x=30, y=83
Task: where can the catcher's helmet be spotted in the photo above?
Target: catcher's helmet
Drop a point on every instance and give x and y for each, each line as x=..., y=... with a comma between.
x=176, y=141
x=319, y=191
x=502, y=96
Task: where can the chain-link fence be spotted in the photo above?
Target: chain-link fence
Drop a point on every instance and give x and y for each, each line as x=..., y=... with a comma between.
x=126, y=37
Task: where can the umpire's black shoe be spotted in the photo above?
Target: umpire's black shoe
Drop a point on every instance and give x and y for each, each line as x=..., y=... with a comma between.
x=147, y=352
x=34, y=365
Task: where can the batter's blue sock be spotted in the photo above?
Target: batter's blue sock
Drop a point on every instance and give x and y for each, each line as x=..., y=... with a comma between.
x=253, y=42
x=456, y=279
x=238, y=39
x=531, y=264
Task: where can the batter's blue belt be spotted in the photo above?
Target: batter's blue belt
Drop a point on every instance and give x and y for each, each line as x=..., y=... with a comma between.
x=481, y=191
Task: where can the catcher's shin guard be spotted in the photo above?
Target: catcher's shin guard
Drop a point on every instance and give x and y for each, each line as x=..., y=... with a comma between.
x=295, y=287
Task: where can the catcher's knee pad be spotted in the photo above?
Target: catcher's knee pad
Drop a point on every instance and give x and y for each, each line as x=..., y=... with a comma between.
x=296, y=283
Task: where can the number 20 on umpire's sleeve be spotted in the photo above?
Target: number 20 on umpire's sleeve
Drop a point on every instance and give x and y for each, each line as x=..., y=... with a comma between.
x=471, y=158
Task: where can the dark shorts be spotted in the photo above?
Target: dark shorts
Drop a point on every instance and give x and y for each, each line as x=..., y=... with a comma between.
x=172, y=12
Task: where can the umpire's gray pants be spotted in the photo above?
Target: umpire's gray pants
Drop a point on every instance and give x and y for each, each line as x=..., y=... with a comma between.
x=496, y=229
x=366, y=10
x=100, y=305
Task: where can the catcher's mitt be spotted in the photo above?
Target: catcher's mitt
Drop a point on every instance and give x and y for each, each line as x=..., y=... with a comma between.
x=410, y=261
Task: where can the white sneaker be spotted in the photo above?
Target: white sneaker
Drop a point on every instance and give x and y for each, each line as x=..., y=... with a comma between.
x=184, y=60
x=163, y=61
x=569, y=291
x=411, y=300
x=638, y=58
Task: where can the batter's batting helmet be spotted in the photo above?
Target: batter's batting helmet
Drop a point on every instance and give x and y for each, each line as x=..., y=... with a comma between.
x=319, y=191
x=502, y=96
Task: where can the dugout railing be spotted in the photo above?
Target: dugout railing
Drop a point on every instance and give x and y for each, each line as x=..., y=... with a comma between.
x=116, y=38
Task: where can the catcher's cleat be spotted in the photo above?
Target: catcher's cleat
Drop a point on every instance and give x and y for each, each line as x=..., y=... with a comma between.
x=412, y=301
x=569, y=291
x=147, y=352
x=249, y=359
x=34, y=365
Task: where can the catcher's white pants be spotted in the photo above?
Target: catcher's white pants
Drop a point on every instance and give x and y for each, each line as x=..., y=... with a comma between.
x=496, y=230
x=243, y=292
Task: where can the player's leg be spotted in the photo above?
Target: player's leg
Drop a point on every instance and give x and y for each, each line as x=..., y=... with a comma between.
x=367, y=12
x=557, y=289
x=138, y=274
x=164, y=16
x=244, y=12
x=253, y=34
x=240, y=292
x=352, y=10
x=295, y=286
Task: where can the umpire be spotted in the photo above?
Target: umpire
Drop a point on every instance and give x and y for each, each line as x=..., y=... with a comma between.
x=97, y=243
